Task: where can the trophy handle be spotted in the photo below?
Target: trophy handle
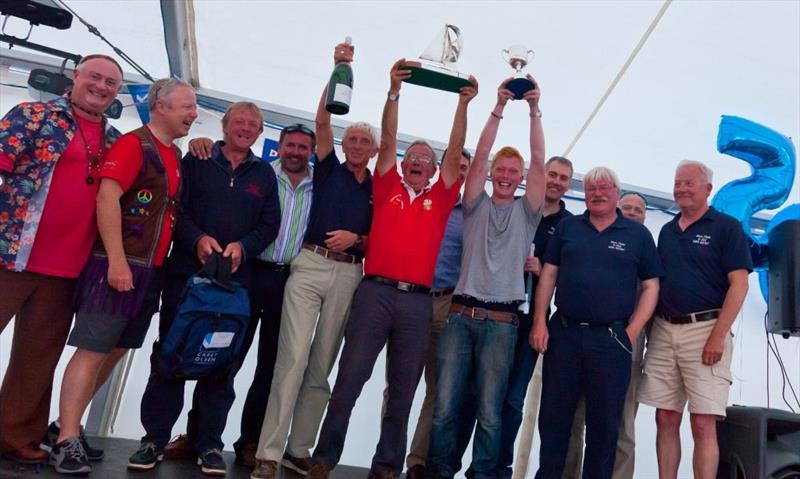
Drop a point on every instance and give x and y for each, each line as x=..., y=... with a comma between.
x=504, y=54
x=529, y=55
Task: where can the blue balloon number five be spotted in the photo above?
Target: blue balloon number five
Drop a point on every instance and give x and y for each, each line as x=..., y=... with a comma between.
x=773, y=161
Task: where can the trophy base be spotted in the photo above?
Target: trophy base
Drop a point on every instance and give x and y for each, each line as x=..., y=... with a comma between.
x=433, y=77
x=520, y=86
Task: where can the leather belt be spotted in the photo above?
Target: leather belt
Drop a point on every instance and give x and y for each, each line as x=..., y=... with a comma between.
x=334, y=255
x=442, y=292
x=401, y=285
x=586, y=324
x=276, y=267
x=482, y=313
x=693, y=317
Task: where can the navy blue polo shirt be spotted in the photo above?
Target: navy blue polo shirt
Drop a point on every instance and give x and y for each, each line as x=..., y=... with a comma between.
x=697, y=262
x=340, y=202
x=599, y=272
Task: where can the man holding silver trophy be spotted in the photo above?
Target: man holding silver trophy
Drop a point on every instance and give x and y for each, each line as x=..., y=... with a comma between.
x=476, y=349
x=392, y=306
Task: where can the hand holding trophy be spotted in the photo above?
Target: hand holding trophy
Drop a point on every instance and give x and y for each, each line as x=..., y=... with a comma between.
x=436, y=67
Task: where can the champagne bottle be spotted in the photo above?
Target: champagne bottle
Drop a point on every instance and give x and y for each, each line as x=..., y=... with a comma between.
x=340, y=88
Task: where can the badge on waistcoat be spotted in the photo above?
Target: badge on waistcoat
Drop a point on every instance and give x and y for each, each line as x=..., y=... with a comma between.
x=427, y=204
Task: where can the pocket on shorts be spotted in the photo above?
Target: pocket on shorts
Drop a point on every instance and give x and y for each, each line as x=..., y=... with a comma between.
x=723, y=372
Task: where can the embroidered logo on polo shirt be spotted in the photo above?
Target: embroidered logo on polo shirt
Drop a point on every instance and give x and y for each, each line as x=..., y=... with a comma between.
x=427, y=204
x=616, y=245
x=551, y=231
x=254, y=190
x=703, y=240
x=397, y=200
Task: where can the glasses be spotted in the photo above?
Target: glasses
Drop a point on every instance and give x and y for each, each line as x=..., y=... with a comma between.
x=603, y=189
x=420, y=158
x=299, y=127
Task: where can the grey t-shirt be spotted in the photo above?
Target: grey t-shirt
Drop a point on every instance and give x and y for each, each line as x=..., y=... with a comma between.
x=497, y=240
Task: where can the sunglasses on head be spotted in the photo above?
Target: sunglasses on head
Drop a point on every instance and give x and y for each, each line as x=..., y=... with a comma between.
x=299, y=127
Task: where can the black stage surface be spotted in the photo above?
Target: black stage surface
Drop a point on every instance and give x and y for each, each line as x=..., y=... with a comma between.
x=118, y=451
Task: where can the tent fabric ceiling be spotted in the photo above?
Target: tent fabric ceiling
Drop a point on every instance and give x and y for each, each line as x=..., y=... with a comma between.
x=703, y=59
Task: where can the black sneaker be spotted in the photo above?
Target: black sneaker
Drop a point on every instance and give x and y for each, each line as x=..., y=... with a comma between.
x=211, y=463
x=68, y=457
x=145, y=458
x=53, y=431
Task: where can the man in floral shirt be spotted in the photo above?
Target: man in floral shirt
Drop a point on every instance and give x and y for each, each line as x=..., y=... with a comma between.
x=50, y=155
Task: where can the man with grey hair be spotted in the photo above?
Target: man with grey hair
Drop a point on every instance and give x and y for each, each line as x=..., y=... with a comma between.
x=706, y=261
x=317, y=297
x=392, y=305
x=603, y=301
x=118, y=290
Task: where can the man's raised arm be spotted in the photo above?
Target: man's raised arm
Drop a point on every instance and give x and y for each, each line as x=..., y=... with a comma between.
x=387, y=155
x=480, y=163
x=458, y=134
x=535, y=181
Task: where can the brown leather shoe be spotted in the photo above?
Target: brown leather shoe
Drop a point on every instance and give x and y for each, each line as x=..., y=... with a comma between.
x=27, y=455
x=246, y=455
x=318, y=471
x=301, y=465
x=380, y=474
x=416, y=472
x=180, y=448
x=264, y=469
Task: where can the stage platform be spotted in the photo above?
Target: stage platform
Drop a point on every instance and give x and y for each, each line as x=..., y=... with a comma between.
x=116, y=460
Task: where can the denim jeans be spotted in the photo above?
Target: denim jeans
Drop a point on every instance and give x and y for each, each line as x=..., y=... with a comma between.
x=521, y=372
x=481, y=351
x=594, y=361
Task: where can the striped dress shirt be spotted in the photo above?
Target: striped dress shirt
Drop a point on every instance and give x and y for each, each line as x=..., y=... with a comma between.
x=295, y=209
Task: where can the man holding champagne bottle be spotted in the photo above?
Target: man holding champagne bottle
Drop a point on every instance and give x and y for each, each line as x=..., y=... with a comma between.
x=323, y=277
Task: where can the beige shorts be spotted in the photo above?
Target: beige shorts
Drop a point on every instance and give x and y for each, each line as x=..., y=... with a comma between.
x=674, y=371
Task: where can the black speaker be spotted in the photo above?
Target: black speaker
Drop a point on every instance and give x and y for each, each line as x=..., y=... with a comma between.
x=38, y=12
x=784, y=279
x=759, y=443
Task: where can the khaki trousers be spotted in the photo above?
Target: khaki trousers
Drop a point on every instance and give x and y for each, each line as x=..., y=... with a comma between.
x=316, y=305
x=42, y=305
x=626, y=443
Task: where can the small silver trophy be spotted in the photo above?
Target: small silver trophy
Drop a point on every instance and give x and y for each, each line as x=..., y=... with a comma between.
x=518, y=56
x=436, y=67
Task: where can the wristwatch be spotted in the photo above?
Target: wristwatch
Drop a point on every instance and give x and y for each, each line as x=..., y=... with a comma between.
x=392, y=96
x=359, y=238
x=537, y=114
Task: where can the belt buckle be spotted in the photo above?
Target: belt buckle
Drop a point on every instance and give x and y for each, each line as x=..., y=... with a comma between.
x=403, y=286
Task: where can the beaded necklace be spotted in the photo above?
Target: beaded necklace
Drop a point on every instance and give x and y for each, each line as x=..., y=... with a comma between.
x=93, y=164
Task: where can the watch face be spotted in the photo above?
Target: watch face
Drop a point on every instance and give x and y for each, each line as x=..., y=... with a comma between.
x=393, y=96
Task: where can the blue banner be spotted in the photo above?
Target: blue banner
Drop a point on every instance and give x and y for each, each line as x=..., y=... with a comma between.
x=139, y=94
x=270, y=151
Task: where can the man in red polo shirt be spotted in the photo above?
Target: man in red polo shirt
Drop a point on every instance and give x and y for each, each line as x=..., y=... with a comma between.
x=393, y=305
